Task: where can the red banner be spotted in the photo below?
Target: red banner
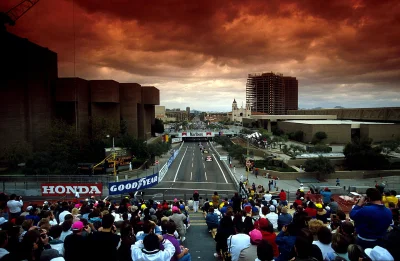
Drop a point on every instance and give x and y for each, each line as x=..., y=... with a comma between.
x=54, y=189
x=184, y=134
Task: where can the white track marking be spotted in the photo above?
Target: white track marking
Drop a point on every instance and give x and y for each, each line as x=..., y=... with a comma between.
x=191, y=173
x=205, y=174
x=220, y=168
x=179, y=166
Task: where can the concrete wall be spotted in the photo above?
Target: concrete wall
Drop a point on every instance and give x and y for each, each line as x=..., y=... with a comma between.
x=298, y=162
x=150, y=95
x=26, y=81
x=288, y=127
x=130, y=97
x=104, y=91
x=337, y=133
x=380, y=132
x=68, y=91
x=388, y=114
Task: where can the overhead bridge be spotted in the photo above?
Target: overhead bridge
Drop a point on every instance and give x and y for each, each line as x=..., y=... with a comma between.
x=200, y=136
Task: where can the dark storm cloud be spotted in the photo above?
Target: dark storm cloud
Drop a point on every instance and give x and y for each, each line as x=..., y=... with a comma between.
x=213, y=45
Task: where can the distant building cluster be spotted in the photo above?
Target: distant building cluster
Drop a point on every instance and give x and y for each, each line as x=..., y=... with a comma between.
x=216, y=116
x=271, y=93
x=32, y=96
x=172, y=115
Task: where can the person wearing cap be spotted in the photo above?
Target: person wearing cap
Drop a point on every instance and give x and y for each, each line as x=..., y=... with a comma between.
x=149, y=249
x=179, y=219
x=196, y=201
x=371, y=219
x=322, y=214
x=236, y=243
x=268, y=234
x=378, y=254
x=273, y=217
x=33, y=214
x=76, y=245
x=250, y=252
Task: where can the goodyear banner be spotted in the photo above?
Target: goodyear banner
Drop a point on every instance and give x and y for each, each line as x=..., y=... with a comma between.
x=124, y=187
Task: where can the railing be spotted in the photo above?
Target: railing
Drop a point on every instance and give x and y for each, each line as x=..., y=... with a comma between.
x=235, y=181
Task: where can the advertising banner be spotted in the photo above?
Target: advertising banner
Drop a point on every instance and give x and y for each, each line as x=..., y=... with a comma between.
x=116, y=188
x=62, y=189
x=176, y=140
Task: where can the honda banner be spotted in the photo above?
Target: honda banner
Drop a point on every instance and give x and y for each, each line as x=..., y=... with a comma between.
x=116, y=188
x=62, y=189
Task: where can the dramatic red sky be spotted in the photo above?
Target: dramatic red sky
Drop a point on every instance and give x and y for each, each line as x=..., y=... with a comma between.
x=198, y=53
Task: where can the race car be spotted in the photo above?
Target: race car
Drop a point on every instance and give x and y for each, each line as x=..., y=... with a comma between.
x=205, y=151
x=209, y=158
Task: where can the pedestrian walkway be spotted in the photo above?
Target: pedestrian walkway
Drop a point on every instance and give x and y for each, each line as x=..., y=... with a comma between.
x=198, y=239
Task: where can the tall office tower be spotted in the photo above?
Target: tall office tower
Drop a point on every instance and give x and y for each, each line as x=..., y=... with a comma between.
x=188, y=112
x=291, y=93
x=265, y=93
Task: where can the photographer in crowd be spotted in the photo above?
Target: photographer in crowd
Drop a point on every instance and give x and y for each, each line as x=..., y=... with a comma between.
x=371, y=219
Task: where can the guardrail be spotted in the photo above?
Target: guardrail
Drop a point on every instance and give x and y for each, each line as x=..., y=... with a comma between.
x=236, y=182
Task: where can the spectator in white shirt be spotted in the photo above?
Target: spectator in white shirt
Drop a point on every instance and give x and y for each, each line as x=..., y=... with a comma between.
x=324, y=241
x=63, y=213
x=236, y=243
x=14, y=206
x=273, y=217
x=268, y=196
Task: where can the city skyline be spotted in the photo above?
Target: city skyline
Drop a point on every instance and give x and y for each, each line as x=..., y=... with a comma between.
x=343, y=53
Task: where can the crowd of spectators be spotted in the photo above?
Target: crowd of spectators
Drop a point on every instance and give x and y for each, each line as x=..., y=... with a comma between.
x=94, y=229
x=264, y=228
x=270, y=228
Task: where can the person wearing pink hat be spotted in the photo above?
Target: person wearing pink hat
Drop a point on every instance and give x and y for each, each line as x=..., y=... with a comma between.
x=178, y=218
x=76, y=244
x=250, y=252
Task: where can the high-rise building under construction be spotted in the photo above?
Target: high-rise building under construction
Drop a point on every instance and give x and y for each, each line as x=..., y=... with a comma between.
x=271, y=93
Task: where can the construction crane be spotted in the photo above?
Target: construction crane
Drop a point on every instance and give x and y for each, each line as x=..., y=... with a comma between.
x=109, y=158
x=12, y=15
